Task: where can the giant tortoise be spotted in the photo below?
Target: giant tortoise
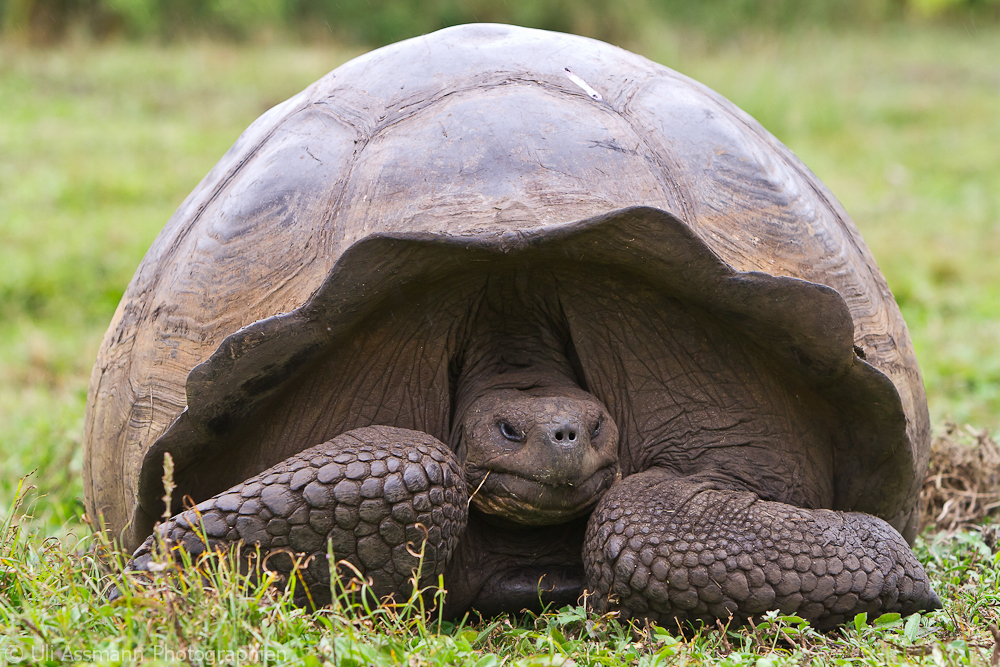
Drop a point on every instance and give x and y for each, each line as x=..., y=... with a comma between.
x=556, y=316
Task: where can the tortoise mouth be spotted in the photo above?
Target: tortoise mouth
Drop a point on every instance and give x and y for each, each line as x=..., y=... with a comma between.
x=532, y=501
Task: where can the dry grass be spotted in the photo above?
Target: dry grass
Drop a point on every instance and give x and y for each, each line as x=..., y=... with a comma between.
x=963, y=481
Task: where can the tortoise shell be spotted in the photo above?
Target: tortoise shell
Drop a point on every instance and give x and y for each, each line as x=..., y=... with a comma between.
x=471, y=147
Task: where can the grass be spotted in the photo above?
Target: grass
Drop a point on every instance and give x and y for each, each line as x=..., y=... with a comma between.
x=98, y=145
x=51, y=609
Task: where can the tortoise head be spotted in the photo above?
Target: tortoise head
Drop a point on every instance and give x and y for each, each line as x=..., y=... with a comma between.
x=538, y=456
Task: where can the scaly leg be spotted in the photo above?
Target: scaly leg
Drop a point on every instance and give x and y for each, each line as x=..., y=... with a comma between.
x=662, y=547
x=364, y=493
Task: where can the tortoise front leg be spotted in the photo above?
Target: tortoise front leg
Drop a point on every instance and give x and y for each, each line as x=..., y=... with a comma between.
x=364, y=493
x=663, y=547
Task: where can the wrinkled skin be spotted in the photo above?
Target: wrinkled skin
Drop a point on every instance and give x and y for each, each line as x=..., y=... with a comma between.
x=719, y=513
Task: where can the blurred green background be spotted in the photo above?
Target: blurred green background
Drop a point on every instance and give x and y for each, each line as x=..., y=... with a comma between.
x=112, y=110
x=377, y=22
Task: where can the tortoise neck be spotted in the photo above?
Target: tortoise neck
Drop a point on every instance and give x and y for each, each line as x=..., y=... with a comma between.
x=517, y=338
x=515, y=360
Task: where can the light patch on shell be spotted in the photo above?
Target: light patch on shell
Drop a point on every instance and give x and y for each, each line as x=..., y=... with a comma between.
x=583, y=85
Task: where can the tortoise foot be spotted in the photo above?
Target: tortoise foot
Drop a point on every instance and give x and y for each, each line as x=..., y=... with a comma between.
x=663, y=548
x=375, y=497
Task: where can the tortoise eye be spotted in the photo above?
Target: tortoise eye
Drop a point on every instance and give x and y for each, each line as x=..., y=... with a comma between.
x=509, y=431
x=597, y=429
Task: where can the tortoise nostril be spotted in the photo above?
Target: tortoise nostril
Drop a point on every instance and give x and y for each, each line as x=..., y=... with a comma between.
x=564, y=435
